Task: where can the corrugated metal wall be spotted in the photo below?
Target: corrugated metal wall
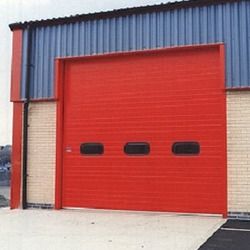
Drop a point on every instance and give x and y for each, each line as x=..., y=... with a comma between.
x=228, y=23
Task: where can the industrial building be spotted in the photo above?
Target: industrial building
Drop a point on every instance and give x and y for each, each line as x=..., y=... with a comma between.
x=144, y=108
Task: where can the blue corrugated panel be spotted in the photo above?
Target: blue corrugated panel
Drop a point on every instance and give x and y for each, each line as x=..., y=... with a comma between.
x=228, y=23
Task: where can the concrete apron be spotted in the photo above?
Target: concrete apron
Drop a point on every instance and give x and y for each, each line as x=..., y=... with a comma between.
x=103, y=230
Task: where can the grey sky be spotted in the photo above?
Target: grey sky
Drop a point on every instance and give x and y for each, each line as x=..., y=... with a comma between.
x=23, y=10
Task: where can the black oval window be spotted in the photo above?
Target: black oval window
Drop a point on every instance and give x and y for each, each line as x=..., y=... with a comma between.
x=186, y=148
x=92, y=148
x=137, y=148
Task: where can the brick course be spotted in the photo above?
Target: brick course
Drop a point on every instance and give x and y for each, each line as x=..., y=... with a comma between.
x=238, y=148
x=41, y=153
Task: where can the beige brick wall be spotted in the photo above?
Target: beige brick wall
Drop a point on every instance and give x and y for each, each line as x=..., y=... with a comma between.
x=238, y=136
x=41, y=153
x=41, y=160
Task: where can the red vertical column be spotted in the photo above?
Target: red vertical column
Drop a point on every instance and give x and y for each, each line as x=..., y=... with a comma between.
x=17, y=119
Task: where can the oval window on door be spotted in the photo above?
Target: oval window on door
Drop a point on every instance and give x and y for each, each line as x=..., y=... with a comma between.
x=92, y=148
x=137, y=148
x=186, y=148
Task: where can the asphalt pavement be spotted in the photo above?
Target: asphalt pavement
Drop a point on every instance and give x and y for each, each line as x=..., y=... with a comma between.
x=233, y=235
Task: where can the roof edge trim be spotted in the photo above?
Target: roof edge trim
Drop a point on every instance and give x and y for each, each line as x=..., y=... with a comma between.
x=119, y=13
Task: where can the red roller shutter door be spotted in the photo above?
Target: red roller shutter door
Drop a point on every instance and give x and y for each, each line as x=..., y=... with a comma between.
x=160, y=98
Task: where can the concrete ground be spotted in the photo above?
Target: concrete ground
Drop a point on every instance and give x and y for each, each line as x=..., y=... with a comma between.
x=103, y=230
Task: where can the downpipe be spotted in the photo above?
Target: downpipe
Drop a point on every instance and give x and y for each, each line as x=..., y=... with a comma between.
x=26, y=118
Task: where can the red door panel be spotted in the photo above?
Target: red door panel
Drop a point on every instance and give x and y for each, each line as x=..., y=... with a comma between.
x=158, y=97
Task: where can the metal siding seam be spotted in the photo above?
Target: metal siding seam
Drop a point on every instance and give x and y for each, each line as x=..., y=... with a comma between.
x=147, y=32
x=74, y=41
x=88, y=38
x=219, y=24
x=58, y=39
x=119, y=34
x=196, y=23
x=96, y=37
x=52, y=54
x=100, y=36
x=32, y=48
x=24, y=63
x=153, y=30
x=125, y=34
x=243, y=45
x=64, y=40
x=189, y=26
x=168, y=28
x=81, y=37
x=85, y=38
x=160, y=30
x=40, y=86
x=113, y=35
x=137, y=32
x=133, y=34
x=92, y=38
x=213, y=9
x=228, y=43
x=69, y=39
x=46, y=59
x=116, y=34
x=204, y=25
x=36, y=57
x=236, y=49
x=181, y=27
x=33, y=57
x=105, y=36
x=130, y=33
x=175, y=28
x=108, y=37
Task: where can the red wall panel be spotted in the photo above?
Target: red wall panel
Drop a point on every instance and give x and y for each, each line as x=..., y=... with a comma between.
x=16, y=65
x=17, y=118
x=16, y=156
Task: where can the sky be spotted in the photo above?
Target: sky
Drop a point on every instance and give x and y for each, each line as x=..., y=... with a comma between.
x=25, y=10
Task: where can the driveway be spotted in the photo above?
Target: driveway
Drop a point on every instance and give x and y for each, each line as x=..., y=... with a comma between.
x=103, y=230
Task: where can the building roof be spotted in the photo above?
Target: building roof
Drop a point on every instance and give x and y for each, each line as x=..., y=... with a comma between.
x=118, y=12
